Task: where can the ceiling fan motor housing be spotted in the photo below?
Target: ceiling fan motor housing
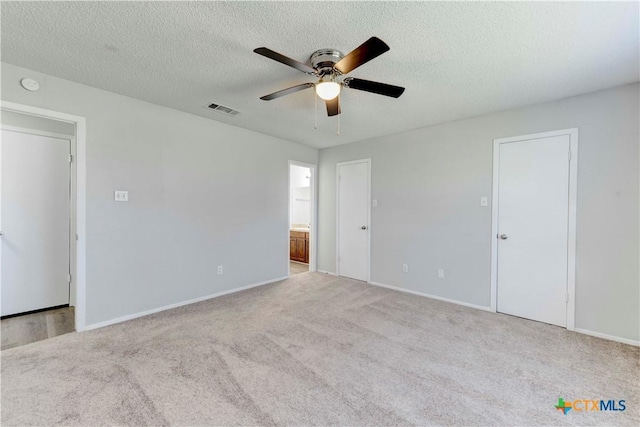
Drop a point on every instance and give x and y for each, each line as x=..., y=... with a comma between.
x=323, y=61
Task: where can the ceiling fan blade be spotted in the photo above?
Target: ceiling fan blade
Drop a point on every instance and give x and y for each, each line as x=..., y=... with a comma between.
x=364, y=53
x=286, y=91
x=333, y=106
x=374, y=87
x=284, y=60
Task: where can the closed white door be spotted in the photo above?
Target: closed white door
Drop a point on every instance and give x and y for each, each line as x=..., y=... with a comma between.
x=353, y=220
x=35, y=197
x=533, y=211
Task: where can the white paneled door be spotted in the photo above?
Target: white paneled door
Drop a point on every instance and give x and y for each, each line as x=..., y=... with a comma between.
x=353, y=219
x=34, y=220
x=533, y=212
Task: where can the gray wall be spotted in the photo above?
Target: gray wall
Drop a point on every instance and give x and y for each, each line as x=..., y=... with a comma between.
x=201, y=194
x=428, y=183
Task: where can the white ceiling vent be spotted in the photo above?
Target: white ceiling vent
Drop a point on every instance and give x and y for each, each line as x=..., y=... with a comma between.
x=225, y=110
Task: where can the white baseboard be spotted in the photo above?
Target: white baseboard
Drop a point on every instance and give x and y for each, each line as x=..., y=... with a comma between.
x=452, y=301
x=326, y=272
x=479, y=307
x=382, y=285
x=176, y=305
x=608, y=337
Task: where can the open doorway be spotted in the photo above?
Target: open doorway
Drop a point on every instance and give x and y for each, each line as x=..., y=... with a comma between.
x=301, y=217
x=41, y=219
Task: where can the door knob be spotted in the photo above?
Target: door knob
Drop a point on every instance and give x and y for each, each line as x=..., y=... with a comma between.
x=503, y=236
x=364, y=227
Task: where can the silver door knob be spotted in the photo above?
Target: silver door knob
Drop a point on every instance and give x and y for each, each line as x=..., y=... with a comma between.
x=504, y=236
x=364, y=227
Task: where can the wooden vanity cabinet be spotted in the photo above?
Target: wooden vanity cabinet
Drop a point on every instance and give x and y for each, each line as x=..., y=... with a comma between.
x=299, y=246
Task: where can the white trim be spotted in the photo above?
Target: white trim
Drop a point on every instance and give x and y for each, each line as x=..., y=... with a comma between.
x=38, y=132
x=573, y=229
x=81, y=200
x=452, y=301
x=490, y=309
x=608, y=337
x=179, y=304
x=313, y=231
x=571, y=243
x=331, y=273
x=338, y=165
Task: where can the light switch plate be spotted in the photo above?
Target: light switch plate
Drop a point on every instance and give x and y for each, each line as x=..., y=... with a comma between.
x=121, y=196
x=484, y=201
x=375, y=203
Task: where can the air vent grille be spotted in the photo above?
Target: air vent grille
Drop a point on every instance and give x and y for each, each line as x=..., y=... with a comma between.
x=224, y=110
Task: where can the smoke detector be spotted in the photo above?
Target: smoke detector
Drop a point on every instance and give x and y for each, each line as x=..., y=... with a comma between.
x=30, y=84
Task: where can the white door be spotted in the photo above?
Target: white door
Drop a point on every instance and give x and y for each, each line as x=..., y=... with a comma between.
x=34, y=219
x=353, y=220
x=533, y=212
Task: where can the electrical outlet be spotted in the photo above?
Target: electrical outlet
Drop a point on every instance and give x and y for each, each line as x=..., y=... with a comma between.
x=405, y=268
x=121, y=196
x=440, y=273
x=220, y=269
x=375, y=203
x=484, y=201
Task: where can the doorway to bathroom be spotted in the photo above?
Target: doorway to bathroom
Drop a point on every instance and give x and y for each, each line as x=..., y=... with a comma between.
x=301, y=217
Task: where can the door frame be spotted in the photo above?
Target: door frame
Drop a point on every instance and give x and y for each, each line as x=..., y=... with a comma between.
x=313, y=231
x=571, y=242
x=368, y=251
x=72, y=198
x=78, y=193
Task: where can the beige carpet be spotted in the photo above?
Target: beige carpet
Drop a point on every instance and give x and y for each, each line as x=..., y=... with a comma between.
x=318, y=350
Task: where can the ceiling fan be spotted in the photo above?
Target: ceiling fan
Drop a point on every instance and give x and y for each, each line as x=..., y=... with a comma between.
x=330, y=65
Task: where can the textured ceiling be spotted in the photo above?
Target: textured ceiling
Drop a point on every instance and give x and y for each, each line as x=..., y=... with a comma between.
x=455, y=59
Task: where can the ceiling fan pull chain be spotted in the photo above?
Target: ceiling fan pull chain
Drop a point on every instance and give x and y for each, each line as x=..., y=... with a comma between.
x=315, y=97
x=338, y=132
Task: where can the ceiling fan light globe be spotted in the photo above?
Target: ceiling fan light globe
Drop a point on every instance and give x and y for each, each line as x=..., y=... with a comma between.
x=328, y=90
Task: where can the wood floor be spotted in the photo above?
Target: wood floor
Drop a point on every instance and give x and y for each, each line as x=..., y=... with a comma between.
x=28, y=328
x=297, y=268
